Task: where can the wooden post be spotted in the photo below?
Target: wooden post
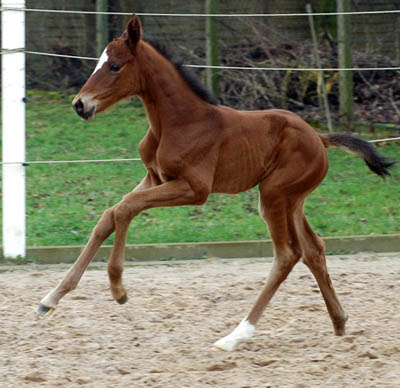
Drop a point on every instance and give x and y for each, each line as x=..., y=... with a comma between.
x=397, y=37
x=212, y=48
x=344, y=52
x=321, y=82
x=101, y=26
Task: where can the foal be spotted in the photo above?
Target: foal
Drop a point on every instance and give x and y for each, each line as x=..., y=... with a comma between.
x=195, y=147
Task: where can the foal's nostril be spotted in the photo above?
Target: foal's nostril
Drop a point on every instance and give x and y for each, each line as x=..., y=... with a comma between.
x=86, y=109
x=79, y=107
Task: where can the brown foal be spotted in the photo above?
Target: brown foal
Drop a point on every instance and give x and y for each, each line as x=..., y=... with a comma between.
x=195, y=147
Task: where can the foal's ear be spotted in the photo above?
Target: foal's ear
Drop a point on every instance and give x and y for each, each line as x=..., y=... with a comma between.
x=134, y=31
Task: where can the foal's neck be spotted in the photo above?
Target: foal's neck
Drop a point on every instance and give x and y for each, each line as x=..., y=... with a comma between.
x=168, y=99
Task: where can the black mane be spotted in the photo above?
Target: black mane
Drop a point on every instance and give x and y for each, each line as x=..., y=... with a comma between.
x=188, y=75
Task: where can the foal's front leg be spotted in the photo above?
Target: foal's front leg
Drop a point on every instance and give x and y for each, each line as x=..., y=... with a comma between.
x=103, y=229
x=173, y=193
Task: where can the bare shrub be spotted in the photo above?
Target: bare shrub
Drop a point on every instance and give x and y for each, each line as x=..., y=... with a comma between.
x=376, y=93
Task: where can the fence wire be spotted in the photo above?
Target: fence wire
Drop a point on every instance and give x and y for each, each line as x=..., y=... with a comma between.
x=393, y=68
x=190, y=15
x=33, y=162
x=203, y=15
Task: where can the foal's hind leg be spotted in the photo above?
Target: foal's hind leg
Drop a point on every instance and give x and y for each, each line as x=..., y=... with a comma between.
x=279, y=215
x=314, y=257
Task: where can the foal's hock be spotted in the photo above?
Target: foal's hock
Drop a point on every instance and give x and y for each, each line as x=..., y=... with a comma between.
x=195, y=147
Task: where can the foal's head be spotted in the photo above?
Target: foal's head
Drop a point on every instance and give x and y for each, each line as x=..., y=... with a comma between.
x=116, y=75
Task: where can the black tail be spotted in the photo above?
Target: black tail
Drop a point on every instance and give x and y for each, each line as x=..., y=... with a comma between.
x=376, y=162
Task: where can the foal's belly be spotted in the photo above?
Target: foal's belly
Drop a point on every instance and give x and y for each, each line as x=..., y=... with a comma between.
x=239, y=170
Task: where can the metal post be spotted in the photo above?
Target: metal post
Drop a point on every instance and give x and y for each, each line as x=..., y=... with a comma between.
x=13, y=121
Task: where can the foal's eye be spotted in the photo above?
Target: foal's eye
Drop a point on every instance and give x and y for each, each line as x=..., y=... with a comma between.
x=115, y=68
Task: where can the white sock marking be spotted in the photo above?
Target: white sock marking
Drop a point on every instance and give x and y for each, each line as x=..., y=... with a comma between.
x=103, y=59
x=242, y=333
x=50, y=300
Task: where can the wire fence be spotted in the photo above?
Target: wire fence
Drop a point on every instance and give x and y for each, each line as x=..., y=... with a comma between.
x=200, y=15
x=33, y=162
x=68, y=45
x=65, y=49
x=203, y=15
x=393, y=68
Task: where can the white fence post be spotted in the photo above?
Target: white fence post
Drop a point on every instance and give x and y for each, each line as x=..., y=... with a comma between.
x=13, y=118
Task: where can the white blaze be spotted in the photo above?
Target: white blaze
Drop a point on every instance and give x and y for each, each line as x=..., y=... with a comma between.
x=103, y=59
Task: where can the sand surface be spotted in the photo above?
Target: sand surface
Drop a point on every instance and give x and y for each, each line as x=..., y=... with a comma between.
x=163, y=336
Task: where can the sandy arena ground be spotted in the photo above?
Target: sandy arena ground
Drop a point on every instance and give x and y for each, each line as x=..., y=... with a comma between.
x=163, y=337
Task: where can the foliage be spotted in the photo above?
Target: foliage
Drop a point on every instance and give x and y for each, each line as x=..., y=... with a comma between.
x=64, y=201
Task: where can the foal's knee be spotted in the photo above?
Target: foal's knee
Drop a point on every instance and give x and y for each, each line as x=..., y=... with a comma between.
x=124, y=212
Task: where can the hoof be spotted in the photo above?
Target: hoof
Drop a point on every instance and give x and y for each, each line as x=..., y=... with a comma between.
x=123, y=299
x=340, y=331
x=340, y=327
x=45, y=311
x=225, y=344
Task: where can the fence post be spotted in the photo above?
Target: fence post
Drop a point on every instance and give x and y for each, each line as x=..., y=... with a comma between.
x=345, y=61
x=101, y=26
x=321, y=82
x=13, y=127
x=212, y=48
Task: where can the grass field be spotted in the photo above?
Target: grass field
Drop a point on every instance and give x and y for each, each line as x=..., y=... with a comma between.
x=65, y=201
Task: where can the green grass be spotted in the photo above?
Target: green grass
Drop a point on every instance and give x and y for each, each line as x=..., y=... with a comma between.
x=65, y=201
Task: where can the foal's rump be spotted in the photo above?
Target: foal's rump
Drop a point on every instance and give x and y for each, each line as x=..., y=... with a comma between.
x=376, y=162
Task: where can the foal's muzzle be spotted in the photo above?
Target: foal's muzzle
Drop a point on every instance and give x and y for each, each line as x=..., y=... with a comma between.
x=83, y=111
